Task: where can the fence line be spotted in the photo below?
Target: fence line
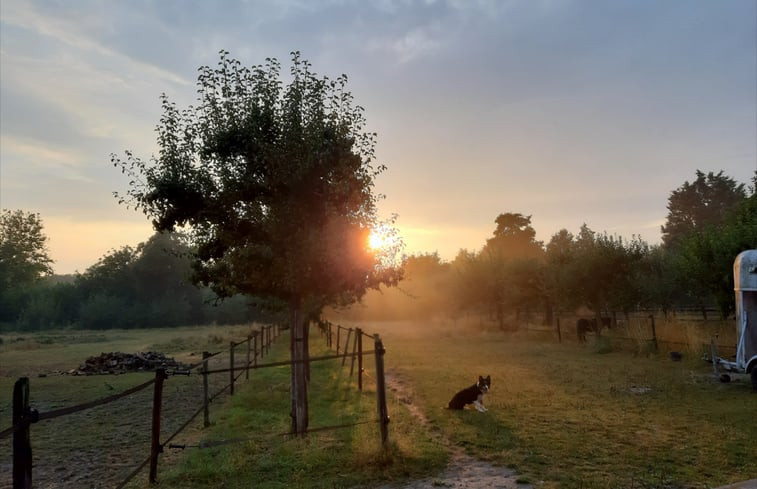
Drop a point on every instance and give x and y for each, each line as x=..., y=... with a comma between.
x=24, y=415
x=654, y=340
x=326, y=329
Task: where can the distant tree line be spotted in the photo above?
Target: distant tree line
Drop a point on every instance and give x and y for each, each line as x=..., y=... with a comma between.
x=143, y=287
x=710, y=220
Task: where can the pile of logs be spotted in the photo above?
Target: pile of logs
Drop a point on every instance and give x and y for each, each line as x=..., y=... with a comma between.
x=117, y=362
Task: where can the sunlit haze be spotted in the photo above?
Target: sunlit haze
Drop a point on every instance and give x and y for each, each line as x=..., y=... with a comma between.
x=571, y=112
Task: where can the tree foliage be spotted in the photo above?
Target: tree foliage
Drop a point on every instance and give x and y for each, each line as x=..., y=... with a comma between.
x=130, y=287
x=511, y=258
x=607, y=274
x=706, y=201
x=705, y=258
x=275, y=183
x=24, y=258
x=23, y=248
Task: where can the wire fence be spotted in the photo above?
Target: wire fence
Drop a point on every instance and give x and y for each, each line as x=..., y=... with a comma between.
x=356, y=356
x=643, y=332
x=353, y=349
x=258, y=345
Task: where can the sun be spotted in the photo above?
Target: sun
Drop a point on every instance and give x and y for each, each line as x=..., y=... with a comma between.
x=377, y=239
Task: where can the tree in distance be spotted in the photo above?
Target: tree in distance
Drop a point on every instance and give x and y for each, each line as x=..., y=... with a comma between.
x=706, y=201
x=274, y=185
x=24, y=258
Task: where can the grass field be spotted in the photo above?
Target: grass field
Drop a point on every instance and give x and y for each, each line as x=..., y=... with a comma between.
x=561, y=414
x=566, y=416
x=100, y=446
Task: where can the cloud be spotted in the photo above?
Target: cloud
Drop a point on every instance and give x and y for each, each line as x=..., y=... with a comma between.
x=43, y=155
x=69, y=31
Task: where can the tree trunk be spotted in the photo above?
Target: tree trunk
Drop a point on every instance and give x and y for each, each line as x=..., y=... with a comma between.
x=548, y=312
x=306, y=327
x=598, y=320
x=500, y=316
x=299, y=389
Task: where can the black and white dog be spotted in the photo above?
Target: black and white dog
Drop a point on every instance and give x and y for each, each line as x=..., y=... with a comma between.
x=472, y=395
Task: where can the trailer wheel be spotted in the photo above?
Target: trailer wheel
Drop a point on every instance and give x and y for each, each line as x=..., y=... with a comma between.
x=754, y=378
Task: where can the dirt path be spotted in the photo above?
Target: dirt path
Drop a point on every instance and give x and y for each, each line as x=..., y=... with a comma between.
x=463, y=471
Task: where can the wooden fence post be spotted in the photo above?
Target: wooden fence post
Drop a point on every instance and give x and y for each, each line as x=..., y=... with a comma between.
x=354, y=351
x=360, y=359
x=338, y=337
x=247, y=370
x=329, y=337
x=559, y=335
x=346, y=346
x=714, y=352
x=255, y=348
x=231, y=367
x=157, y=401
x=654, y=334
x=22, y=447
x=381, y=390
x=205, y=399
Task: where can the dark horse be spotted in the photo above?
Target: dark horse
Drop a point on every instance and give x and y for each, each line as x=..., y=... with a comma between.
x=585, y=325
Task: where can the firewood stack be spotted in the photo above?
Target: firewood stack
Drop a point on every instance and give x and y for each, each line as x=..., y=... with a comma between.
x=118, y=362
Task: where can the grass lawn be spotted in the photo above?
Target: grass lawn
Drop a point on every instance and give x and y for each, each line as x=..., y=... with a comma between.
x=561, y=414
x=566, y=416
x=346, y=457
x=99, y=447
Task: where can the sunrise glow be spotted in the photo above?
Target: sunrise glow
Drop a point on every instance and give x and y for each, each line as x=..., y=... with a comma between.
x=377, y=239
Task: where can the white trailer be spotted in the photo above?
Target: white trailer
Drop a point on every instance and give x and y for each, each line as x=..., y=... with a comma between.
x=745, y=287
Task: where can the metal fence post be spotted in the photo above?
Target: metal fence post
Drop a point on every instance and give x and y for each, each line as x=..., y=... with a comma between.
x=231, y=367
x=205, y=399
x=381, y=390
x=22, y=447
x=157, y=401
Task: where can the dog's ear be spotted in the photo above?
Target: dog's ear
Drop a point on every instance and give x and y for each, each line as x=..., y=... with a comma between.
x=480, y=379
x=488, y=379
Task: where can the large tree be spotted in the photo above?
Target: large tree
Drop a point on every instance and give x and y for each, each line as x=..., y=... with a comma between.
x=275, y=184
x=704, y=202
x=512, y=257
x=24, y=258
x=602, y=270
x=705, y=259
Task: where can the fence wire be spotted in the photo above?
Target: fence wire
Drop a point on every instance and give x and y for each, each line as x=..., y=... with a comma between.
x=60, y=458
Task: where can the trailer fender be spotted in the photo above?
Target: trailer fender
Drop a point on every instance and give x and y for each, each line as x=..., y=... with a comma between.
x=751, y=364
x=751, y=368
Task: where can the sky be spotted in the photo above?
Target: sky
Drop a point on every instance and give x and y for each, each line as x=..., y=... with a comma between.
x=571, y=112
